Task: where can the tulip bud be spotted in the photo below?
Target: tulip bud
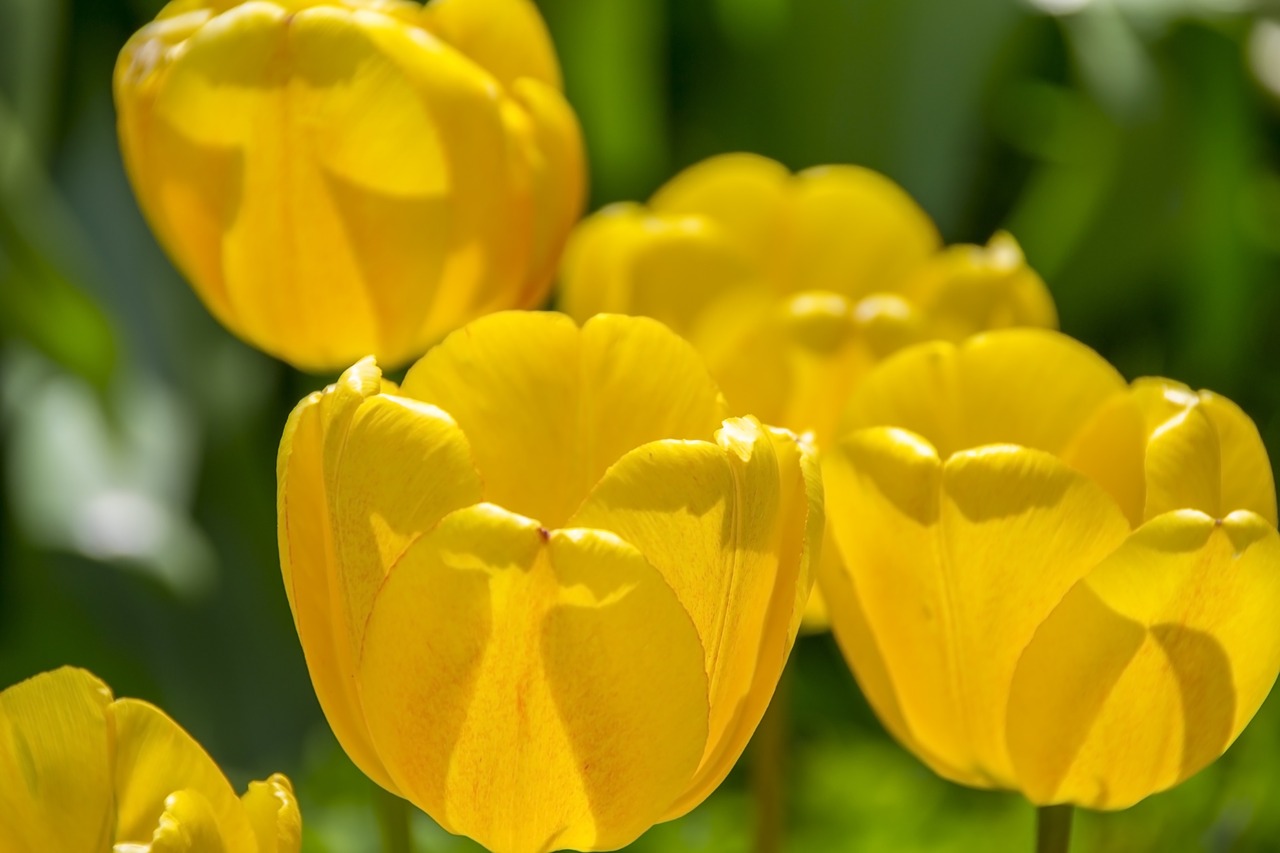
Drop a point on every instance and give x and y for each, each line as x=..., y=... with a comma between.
x=344, y=177
x=80, y=770
x=545, y=590
x=1052, y=582
x=794, y=286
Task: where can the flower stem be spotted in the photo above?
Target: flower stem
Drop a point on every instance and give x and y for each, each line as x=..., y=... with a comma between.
x=393, y=821
x=1053, y=828
x=769, y=767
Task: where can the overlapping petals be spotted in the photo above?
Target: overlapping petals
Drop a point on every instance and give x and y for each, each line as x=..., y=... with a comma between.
x=1053, y=581
x=80, y=770
x=340, y=177
x=793, y=287
x=546, y=588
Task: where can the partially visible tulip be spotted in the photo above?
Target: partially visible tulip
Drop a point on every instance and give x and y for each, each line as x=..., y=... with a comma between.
x=340, y=177
x=81, y=771
x=546, y=589
x=1053, y=582
x=794, y=286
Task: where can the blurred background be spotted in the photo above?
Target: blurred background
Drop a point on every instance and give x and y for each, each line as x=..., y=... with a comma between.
x=1132, y=146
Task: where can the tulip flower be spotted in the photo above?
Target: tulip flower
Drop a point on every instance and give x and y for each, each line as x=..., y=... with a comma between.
x=794, y=286
x=81, y=771
x=341, y=177
x=1053, y=582
x=546, y=588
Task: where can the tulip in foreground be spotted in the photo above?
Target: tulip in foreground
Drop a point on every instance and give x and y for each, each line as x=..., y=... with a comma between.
x=1053, y=582
x=794, y=286
x=341, y=177
x=81, y=771
x=545, y=589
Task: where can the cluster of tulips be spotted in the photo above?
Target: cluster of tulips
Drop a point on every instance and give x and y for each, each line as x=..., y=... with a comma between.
x=547, y=585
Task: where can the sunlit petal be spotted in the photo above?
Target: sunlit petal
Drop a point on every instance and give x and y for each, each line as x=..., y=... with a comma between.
x=1151, y=665
x=509, y=675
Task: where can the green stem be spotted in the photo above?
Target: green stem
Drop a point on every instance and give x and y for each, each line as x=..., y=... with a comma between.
x=393, y=821
x=1053, y=829
x=769, y=768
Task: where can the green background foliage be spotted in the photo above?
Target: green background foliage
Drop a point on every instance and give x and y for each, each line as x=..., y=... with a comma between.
x=1132, y=146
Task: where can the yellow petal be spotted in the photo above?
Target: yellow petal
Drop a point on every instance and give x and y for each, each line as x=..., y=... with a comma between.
x=273, y=811
x=186, y=825
x=557, y=163
x=950, y=568
x=798, y=228
x=1030, y=387
x=1110, y=448
x=361, y=475
x=673, y=268
x=533, y=690
x=969, y=289
x=745, y=193
x=55, y=777
x=154, y=758
x=1151, y=665
x=507, y=38
x=308, y=562
x=856, y=232
x=547, y=407
x=360, y=196
x=400, y=467
x=1204, y=453
x=1183, y=468
x=1247, y=481
x=733, y=528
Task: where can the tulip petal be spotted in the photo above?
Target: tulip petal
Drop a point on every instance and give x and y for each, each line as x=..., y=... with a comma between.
x=187, y=824
x=1247, y=481
x=548, y=407
x=273, y=811
x=1204, y=453
x=558, y=168
x=507, y=38
x=969, y=289
x=833, y=203
x=352, y=241
x=798, y=227
x=673, y=268
x=308, y=560
x=1151, y=665
x=349, y=506
x=534, y=690
x=401, y=466
x=745, y=193
x=1183, y=469
x=1030, y=387
x=967, y=559
x=154, y=758
x=1110, y=448
x=55, y=778
x=733, y=527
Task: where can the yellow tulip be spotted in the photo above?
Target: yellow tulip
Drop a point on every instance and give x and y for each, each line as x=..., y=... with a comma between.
x=545, y=589
x=794, y=286
x=81, y=771
x=1053, y=582
x=341, y=177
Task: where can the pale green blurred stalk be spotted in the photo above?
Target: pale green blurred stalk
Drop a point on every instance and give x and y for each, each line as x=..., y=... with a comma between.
x=393, y=821
x=1053, y=828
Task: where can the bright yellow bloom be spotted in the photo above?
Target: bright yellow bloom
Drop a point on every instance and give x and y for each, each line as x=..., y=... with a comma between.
x=794, y=286
x=545, y=590
x=80, y=771
x=340, y=177
x=1053, y=582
